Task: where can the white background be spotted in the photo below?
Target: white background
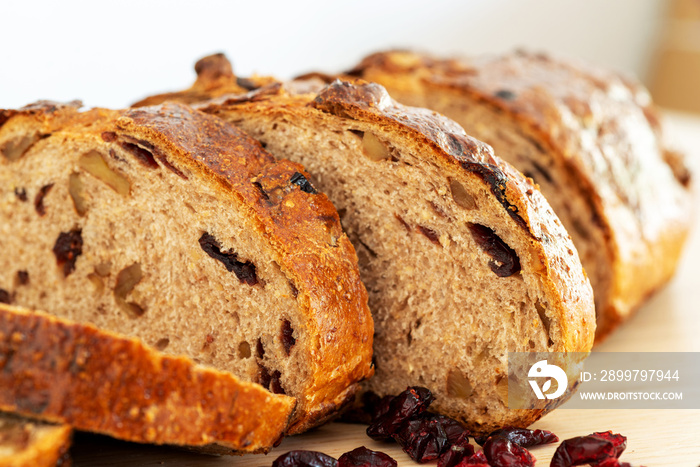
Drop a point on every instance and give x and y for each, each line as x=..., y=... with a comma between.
x=112, y=53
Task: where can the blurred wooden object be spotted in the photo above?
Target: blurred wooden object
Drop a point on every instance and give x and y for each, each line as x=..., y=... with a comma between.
x=675, y=77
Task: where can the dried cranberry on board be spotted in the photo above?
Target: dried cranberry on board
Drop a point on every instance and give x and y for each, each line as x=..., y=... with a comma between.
x=304, y=459
x=502, y=452
x=423, y=439
x=455, y=431
x=413, y=401
x=592, y=449
x=618, y=440
x=521, y=436
x=363, y=457
x=476, y=460
x=460, y=449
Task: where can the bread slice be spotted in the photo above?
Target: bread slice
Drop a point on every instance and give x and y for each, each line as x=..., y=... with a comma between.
x=94, y=380
x=588, y=137
x=171, y=226
x=30, y=443
x=462, y=256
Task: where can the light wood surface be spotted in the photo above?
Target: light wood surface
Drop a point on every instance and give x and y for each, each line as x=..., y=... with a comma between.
x=669, y=322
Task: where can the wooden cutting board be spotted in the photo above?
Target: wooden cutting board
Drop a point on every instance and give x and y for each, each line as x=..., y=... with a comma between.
x=670, y=322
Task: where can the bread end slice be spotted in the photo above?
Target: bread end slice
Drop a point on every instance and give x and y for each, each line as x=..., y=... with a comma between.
x=94, y=380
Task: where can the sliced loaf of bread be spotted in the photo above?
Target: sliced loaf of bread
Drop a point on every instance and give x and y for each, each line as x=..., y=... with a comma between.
x=93, y=380
x=463, y=258
x=29, y=443
x=169, y=225
x=588, y=137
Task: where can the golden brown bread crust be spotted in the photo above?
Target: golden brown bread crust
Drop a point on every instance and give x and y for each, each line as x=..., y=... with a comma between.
x=214, y=78
x=604, y=129
x=98, y=381
x=301, y=225
x=29, y=443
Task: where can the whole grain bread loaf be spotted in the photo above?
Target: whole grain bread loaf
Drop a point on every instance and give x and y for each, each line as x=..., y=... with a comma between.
x=169, y=225
x=94, y=380
x=29, y=443
x=588, y=137
x=462, y=256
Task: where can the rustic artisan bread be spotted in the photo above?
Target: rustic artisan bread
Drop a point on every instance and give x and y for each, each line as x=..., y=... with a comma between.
x=171, y=226
x=462, y=256
x=29, y=443
x=94, y=380
x=588, y=137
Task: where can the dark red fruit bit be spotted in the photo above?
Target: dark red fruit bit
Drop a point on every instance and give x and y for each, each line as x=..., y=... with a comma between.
x=430, y=234
x=142, y=155
x=363, y=457
x=618, y=440
x=264, y=377
x=583, y=450
x=275, y=384
x=259, y=349
x=423, y=439
x=505, y=94
x=304, y=459
x=39, y=199
x=22, y=277
x=69, y=245
x=5, y=296
x=21, y=194
x=108, y=136
x=521, y=436
x=459, y=450
x=287, y=338
x=478, y=459
x=505, y=261
x=456, y=433
x=410, y=403
x=502, y=452
x=245, y=271
x=301, y=181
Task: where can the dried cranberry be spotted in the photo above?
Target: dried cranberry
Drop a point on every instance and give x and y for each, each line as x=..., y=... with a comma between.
x=301, y=181
x=502, y=452
x=413, y=401
x=459, y=450
x=583, y=450
x=478, y=459
x=305, y=459
x=68, y=246
x=244, y=270
x=382, y=407
x=504, y=260
x=619, y=441
x=521, y=436
x=423, y=439
x=362, y=457
x=287, y=336
x=454, y=430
